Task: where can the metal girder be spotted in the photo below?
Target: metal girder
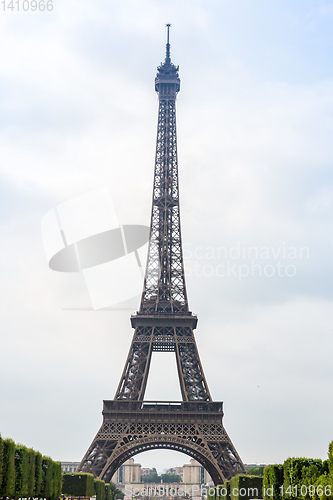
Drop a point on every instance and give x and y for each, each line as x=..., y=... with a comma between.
x=164, y=286
x=163, y=338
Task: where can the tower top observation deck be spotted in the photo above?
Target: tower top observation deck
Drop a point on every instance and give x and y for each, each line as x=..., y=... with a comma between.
x=167, y=74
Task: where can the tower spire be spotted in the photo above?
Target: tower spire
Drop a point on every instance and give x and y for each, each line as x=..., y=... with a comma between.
x=167, y=54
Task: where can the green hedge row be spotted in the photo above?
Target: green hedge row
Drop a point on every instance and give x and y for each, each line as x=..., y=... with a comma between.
x=272, y=482
x=240, y=487
x=300, y=478
x=244, y=487
x=26, y=473
x=296, y=479
x=85, y=485
x=78, y=485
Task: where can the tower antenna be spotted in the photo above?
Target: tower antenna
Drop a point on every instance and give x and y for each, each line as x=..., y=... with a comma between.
x=167, y=56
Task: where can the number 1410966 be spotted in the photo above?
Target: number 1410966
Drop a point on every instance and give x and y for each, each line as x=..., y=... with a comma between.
x=26, y=5
x=311, y=490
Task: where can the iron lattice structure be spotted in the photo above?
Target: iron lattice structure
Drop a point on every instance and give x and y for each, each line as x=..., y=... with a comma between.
x=164, y=323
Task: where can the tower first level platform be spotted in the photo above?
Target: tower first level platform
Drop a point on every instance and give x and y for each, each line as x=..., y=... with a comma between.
x=192, y=427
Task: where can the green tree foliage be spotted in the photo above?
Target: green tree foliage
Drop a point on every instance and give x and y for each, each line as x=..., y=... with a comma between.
x=38, y=474
x=99, y=489
x=56, y=480
x=7, y=487
x=310, y=474
x=116, y=492
x=324, y=488
x=119, y=494
x=108, y=492
x=220, y=492
x=300, y=472
x=272, y=482
x=171, y=478
x=226, y=495
x=31, y=457
x=78, y=485
x=151, y=478
x=244, y=487
x=24, y=471
x=256, y=471
x=325, y=466
x=211, y=493
x=47, y=478
x=1, y=459
x=330, y=458
x=324, y=483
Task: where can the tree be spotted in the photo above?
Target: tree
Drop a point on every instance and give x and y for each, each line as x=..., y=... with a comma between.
x=78, y=485
x=116, y=492
x=1, y=459
x=151, y=478
x=47, y=477
x=24, y=471
x=7, y=486
x=38, y=474
x=330, y=458
x=171, y=478
x=256, y=471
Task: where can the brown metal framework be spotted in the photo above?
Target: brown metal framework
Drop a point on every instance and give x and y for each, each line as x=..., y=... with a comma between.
x=163, y=323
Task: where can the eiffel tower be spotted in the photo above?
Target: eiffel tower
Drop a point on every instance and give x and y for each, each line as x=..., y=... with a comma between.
x=163, y=323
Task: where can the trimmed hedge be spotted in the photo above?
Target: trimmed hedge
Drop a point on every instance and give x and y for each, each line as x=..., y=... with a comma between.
x=272, y=482
x=99, y=489
x=240, y=487
x=26, y=473
x=78, y=485
x=108, y=492
x=38, y=474
x=7, y=488
x=56, y=480
x=227, y=487
x=300, y=478
x=1, y=458
x=223, y=492
x=47, y=476
x=212, y=493
x=81, y=484
x=298, y=473
x=330, y=458
x=244, y=487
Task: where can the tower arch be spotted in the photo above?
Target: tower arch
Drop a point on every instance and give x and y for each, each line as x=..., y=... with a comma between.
x=142, y=445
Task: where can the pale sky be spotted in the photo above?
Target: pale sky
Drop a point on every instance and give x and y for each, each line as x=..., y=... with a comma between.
x=255, y=128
